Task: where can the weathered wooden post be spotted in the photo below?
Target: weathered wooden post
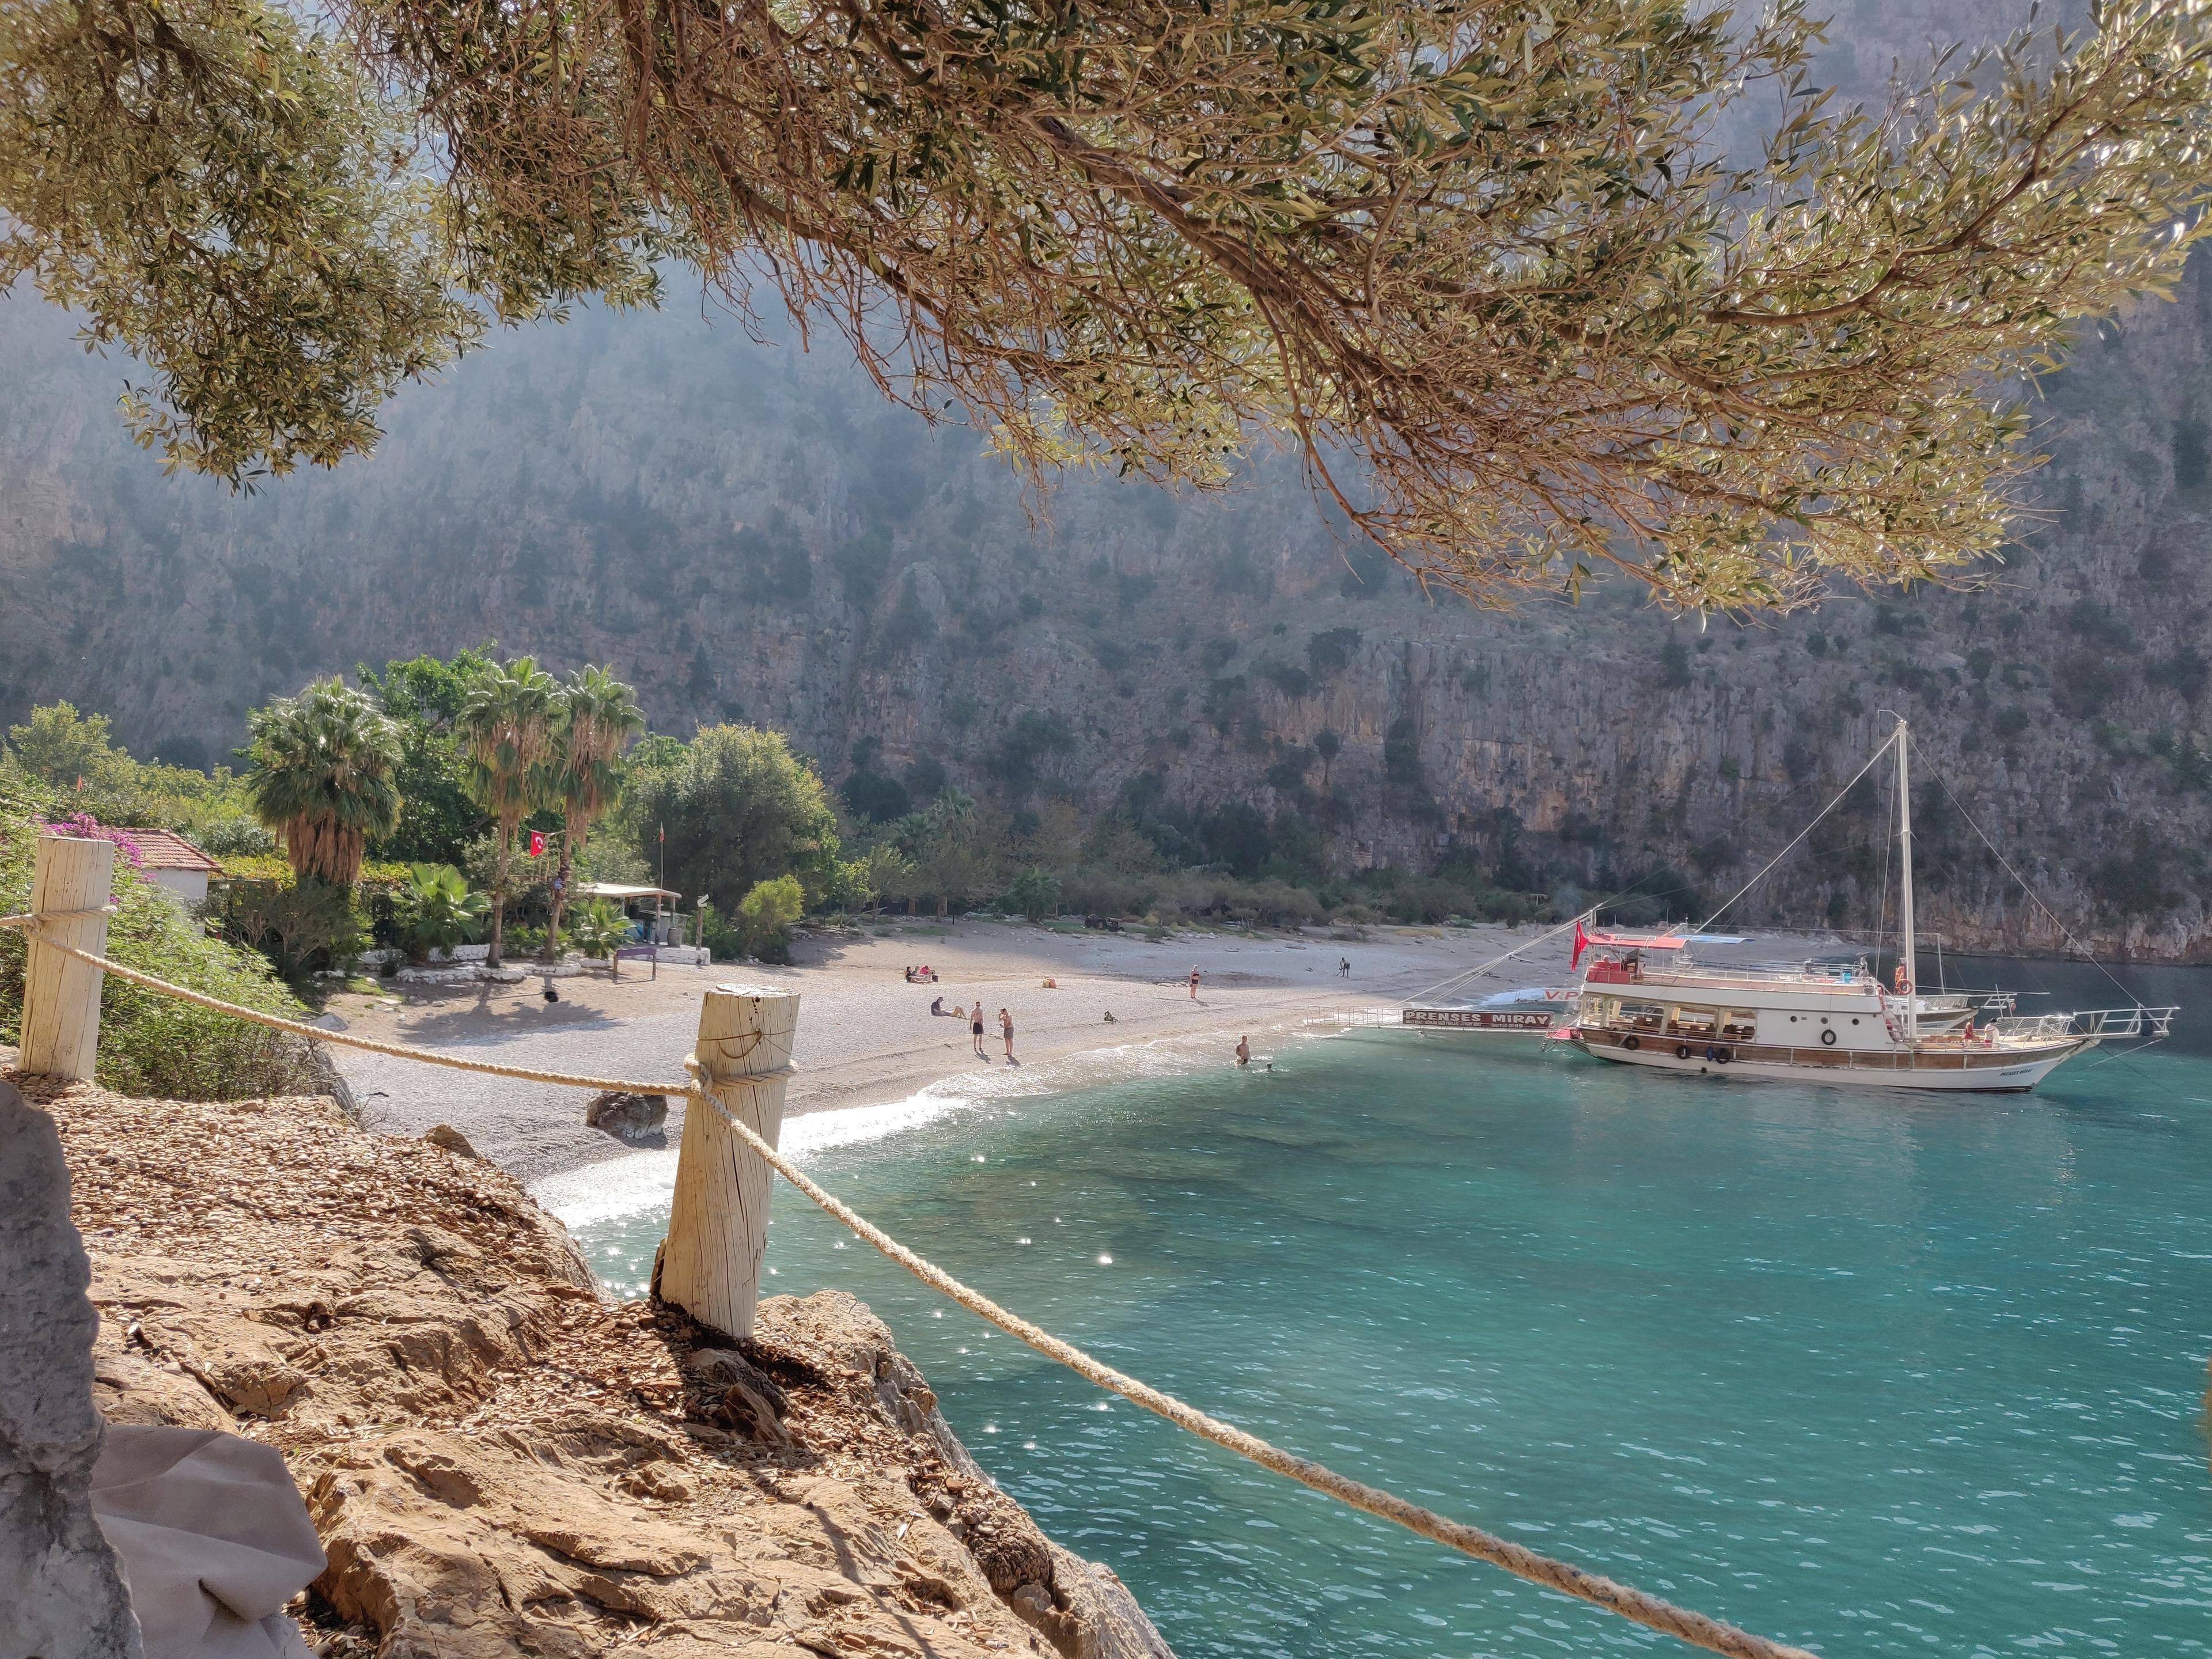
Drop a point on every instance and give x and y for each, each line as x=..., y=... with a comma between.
x=709, y=1264
x=61, y=995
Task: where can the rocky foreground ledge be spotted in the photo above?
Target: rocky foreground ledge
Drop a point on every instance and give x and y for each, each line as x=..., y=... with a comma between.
x=501, y=1462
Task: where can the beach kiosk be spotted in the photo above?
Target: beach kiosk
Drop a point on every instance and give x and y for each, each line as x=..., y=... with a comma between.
x=658, y=925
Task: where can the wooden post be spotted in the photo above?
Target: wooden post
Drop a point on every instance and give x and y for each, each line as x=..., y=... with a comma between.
x=709, y=1264
x=61, y=995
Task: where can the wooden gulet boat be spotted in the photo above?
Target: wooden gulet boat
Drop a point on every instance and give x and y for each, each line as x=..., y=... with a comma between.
x=1644, y=1001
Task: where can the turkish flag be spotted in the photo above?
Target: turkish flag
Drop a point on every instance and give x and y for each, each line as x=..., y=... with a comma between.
x=537, y=843
x=1582, y=944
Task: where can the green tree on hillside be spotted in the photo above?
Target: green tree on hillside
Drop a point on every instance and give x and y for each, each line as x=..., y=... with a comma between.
x=319, y=773
x=59, y=746
x=506, y=728
x=880, y=872
x=952, y=850
x=740, y=808
x=424, y=696
x=598, y=716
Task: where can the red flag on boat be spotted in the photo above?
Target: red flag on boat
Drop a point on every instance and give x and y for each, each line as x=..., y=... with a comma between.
x=1582, y=944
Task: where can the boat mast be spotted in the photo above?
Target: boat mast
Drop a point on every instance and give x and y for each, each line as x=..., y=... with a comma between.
x=1904, y=913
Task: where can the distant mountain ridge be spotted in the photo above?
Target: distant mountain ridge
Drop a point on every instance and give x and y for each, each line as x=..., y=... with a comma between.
x=747, y=530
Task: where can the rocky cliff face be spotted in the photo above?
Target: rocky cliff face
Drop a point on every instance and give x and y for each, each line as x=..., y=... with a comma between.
x=498, y=1461
x=745, y=529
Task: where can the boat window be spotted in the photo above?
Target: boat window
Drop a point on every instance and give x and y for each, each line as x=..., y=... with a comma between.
x=1740, y=1024
x=1643, y=1016
x=1692, y=1022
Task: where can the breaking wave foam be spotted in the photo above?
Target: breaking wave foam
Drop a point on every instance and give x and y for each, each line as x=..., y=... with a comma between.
x=639, y=1181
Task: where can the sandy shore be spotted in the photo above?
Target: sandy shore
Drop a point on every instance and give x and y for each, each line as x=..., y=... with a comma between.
x=867, y=1038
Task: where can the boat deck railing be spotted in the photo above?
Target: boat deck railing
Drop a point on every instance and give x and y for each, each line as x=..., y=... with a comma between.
x=2114, y=1024
x=1761, y=973
x=1755, y=976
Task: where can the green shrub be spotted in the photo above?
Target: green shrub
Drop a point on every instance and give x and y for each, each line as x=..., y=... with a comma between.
x=597, y=928
x=437, y=911
x=1035, y=894
x=301, y=925
x=151, y=1045
x=765, y=916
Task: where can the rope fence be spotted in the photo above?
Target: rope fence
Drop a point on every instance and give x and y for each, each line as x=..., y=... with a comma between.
x=1652, y=1612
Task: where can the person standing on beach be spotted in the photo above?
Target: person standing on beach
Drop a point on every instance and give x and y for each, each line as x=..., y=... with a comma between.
x=1343, y=967
x=1006, y=1030
x=975, y=1029
x=1193, y=982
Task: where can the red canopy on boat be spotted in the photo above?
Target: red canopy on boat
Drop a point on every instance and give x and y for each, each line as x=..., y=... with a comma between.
x=1585, y=940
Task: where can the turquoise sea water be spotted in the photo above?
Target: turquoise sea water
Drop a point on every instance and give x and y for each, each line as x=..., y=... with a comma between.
x=1874, y=1374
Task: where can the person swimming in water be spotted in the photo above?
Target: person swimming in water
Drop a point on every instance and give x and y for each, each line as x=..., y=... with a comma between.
x=1244, y=1051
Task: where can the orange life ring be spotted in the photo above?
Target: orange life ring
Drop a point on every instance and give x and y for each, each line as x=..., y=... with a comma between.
x=1904, y=984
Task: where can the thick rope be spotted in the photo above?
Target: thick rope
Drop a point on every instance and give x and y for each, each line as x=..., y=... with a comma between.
x=1695, y=1628
x=345, y=1040
x=1649, y=1611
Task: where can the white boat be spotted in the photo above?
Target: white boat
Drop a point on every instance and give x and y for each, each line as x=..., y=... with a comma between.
x=1646, y=1001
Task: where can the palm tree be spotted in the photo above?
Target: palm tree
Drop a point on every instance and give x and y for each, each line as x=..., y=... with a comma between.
x=319, y=773
x=506, y=728
x=599, y=717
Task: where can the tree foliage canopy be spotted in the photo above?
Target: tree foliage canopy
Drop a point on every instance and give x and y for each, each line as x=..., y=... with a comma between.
x=740, y=808
x=1481, y=264
x=320, y=773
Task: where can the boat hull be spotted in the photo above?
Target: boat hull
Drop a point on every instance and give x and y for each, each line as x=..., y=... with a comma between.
x=1968, y=1069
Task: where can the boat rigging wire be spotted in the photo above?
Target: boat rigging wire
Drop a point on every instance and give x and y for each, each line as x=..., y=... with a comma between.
x=1589, y=915
x=1590, y=912
x=2065, y=932
x=1800, y=835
